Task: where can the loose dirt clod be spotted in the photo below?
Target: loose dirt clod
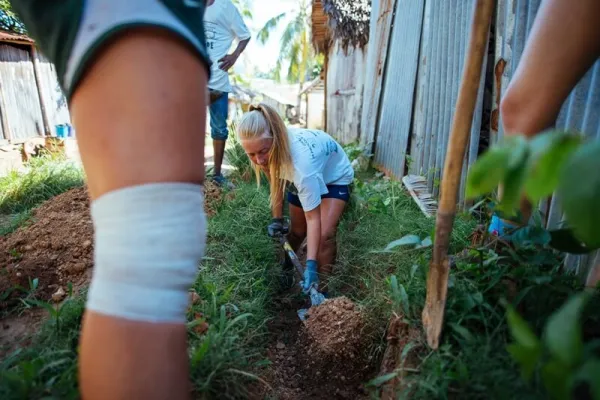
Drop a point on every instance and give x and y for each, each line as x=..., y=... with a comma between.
x=335, y=328
x=323, y=357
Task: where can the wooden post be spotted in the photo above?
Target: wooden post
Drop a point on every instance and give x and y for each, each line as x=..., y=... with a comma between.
x=36, y=74
x=437, y=281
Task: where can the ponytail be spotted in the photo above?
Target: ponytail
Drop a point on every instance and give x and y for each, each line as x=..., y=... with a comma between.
x=264, y=120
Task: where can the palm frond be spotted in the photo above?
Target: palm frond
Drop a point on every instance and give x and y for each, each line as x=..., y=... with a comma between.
x=265, y=32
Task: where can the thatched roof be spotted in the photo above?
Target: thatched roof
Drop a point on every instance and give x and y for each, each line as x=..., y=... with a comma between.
x=346, y=20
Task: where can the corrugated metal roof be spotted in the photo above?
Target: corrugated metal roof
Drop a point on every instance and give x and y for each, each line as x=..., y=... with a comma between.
x=14, y=37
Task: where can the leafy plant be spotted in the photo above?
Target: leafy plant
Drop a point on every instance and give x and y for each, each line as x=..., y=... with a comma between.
x=553, y=161
x=409, y=240
x=561, y=356
x=55, y=311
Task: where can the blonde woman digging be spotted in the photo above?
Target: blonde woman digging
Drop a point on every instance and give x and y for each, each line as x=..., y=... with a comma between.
x=317, y=174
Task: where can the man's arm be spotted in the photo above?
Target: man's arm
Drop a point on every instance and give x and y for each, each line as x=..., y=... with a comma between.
x=229, y=60
x=240, y=30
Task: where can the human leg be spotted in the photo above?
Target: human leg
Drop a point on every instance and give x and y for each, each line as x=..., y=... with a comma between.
x=332, y=210
x=219, y=131
x=116, y=147
x=298, y=222
x=563, y=44
x=130, y=76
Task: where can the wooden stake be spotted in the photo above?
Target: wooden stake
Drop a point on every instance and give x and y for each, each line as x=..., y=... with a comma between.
x=38, y=84
x=437, y=282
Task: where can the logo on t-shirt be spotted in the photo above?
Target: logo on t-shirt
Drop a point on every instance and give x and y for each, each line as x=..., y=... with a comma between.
x=191, y=3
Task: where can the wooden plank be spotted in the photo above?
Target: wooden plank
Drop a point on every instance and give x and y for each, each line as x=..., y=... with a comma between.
x=38, y=85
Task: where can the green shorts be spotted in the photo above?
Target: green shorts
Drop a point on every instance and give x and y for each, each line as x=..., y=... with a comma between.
x=70, y=32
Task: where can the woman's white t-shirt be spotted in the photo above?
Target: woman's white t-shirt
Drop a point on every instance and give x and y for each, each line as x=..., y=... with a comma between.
x=318, y=161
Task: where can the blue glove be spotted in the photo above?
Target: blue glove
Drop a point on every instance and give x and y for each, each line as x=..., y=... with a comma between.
x=311, y=275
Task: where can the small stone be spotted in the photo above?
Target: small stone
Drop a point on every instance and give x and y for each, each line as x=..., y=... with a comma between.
x=280, y=345
x=19, y=274
x=59, y=295
x=28, y=247
x=53, y=257
x=87, y=244
x=194, y=297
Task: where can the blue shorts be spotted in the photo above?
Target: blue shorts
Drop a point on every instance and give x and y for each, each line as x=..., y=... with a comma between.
x=218, y=117
x=341, y=192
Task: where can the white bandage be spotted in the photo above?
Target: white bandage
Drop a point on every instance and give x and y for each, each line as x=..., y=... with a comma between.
x=149, y=240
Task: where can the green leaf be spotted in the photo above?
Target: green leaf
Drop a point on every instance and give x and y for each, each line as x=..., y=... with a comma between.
x=427, y=242
x=563, y=335
x=579, y=190
x=520, y=330
x=513, y=183
x=526, y=357
x=556, y=380
x=530, y=235
x=550, y=152
x=590, y=373
x=404, y=241
x=462, y=331
x=404, y=299
x=380, y=380
x=264, y=34
x=564, y=240
x=488, y=171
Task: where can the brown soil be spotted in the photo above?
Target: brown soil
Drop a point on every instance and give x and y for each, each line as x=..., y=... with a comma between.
x=321, y=358
x=56, y=248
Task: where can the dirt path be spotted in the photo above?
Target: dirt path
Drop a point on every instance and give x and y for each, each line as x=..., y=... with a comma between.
x=321, y=358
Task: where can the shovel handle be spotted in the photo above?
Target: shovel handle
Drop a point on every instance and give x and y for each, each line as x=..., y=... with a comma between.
x=292, y=254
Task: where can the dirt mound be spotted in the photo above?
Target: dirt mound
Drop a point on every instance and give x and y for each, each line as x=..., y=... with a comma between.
x=335, y=329
x=55, y=248
x=322, y=358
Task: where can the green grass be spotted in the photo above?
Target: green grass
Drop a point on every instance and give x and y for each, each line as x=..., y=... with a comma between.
x=238, y=281
x=21, y=191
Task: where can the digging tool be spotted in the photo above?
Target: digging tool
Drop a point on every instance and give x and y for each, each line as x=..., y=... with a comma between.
x=316, y=297
x=437, y=281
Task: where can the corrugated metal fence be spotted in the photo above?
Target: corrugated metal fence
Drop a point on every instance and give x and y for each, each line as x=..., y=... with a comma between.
x=414, y=66
x=20, y=103
x=345, y=85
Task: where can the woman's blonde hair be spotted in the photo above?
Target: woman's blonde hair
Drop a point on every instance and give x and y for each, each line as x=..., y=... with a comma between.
x=263, y=120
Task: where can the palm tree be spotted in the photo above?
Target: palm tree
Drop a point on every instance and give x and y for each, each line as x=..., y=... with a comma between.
x=9, y=21
x=295, y=43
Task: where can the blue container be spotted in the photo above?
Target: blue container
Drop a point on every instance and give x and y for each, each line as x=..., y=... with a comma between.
x=61, y=131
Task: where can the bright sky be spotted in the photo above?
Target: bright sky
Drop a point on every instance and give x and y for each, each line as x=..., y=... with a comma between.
x=264, y=57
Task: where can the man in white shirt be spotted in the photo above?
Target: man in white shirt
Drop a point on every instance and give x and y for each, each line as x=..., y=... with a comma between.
x=222, y=24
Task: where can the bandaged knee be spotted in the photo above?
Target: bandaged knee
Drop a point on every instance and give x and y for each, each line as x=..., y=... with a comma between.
x=149, y=241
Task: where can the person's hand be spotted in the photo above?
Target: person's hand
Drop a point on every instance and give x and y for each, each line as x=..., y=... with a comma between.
x=278, y=227
x=311, y=275
x=227, y=62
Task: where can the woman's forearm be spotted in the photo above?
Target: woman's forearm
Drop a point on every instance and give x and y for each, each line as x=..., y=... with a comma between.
x=313, y=233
